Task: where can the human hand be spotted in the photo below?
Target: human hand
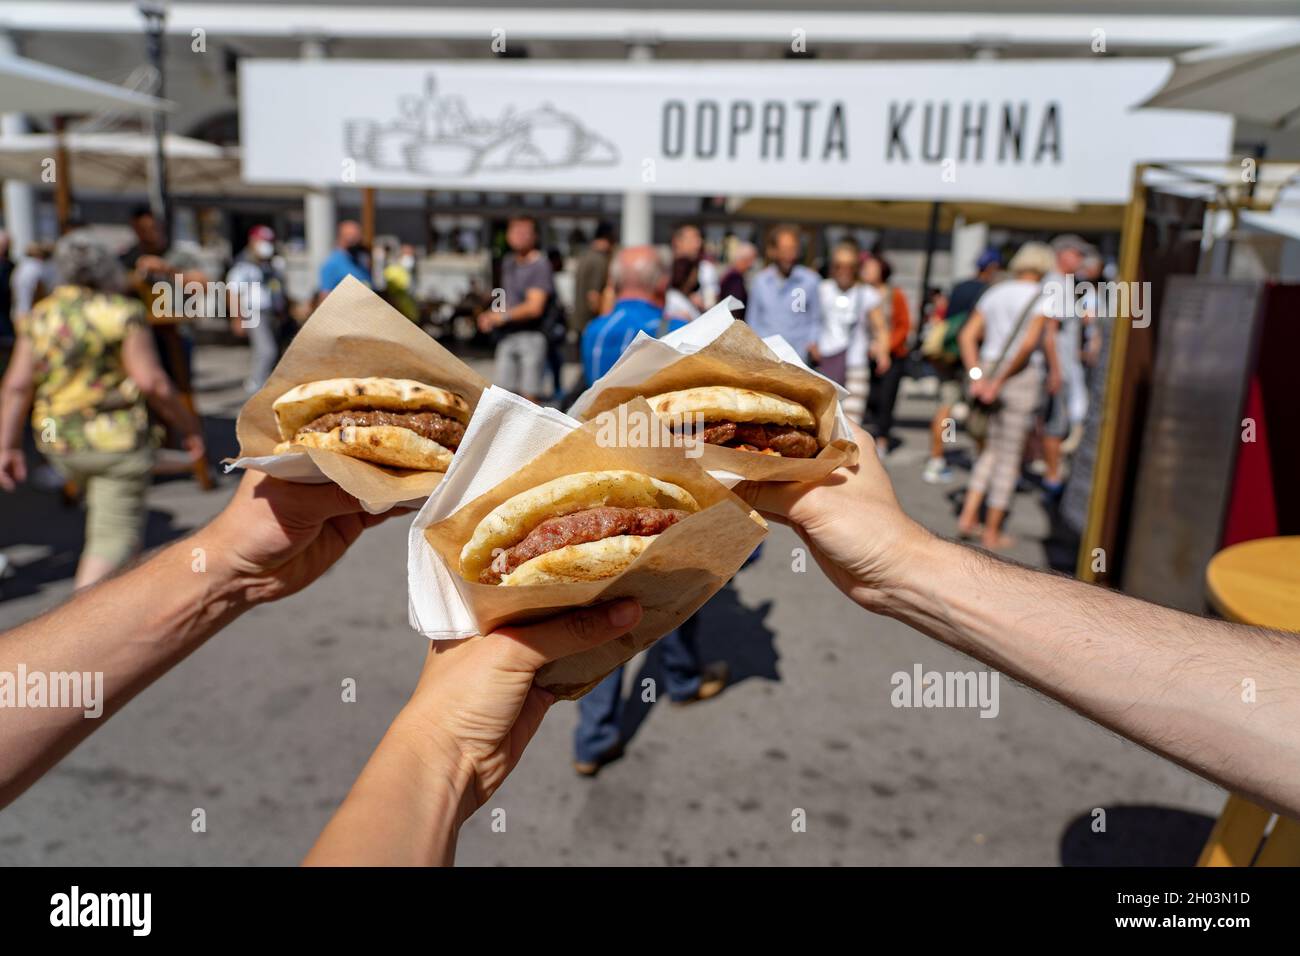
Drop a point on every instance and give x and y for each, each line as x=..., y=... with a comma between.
x=13, y=468
x=194, y=446
x=852, y=524
x=276, y=537
x=1053, y=383
x=476, y=705
x=487, y=321
x=882, y=362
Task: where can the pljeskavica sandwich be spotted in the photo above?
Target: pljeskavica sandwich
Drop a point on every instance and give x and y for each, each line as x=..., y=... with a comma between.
x=389, y=421
x=580, y=527
x=741, y=418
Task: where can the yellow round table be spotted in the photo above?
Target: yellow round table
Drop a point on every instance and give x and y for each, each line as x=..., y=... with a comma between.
x=1255, y=582
x=1258, y=582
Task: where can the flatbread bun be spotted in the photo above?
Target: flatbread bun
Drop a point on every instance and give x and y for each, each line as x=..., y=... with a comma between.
x=590, y=561
x=729, y=403
x=309, y=401
x=510, y=522
x=389, y=445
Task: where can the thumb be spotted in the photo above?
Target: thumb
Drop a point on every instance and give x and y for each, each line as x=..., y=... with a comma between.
x=566, y=634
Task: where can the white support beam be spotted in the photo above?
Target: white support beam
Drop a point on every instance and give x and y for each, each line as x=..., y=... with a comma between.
x=733, y=26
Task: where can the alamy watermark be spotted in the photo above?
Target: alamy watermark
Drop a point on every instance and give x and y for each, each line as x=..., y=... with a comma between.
x=179, y=299
x=56, y=690
x=1132, y=299
x=922, y=688
x=622, y=428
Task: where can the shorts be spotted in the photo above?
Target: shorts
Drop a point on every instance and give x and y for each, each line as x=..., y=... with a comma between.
x=1056, y=414
x=115, y=484
x=950, y=390
x=521, y=363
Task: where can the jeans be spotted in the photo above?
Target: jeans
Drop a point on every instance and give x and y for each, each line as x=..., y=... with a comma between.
x=600, y=712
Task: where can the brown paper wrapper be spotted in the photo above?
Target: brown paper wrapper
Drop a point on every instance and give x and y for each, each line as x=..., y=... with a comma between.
x=683, y=567
x=740, y=358
x=354, y=333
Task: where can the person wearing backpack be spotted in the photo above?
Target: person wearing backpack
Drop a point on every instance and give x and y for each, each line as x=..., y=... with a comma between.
x=941, y=349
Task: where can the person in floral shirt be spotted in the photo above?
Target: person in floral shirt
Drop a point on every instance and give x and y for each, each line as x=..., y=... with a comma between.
x=84, y=363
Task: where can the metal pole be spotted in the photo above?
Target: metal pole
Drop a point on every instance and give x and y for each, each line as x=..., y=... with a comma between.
x=155, y=18
x=931, y=240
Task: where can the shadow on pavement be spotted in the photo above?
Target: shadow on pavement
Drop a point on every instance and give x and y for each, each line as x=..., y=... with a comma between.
x=729, y=631
x=1136, y=836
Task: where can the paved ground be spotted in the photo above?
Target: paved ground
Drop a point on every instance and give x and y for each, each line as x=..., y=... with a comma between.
x=252, y=730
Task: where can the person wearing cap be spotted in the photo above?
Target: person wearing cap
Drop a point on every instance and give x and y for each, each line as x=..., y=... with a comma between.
x=259, y=309
x=1064, y=365
x=961, y=302
x=1002, y=351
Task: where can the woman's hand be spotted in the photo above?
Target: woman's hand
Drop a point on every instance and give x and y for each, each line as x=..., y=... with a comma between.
x=276, y=537
x=472, y=714
x=13, y=468
x=851, y=522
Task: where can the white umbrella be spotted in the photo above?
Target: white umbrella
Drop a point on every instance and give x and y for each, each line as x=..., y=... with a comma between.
x=27, y=86
x=119, y=162
x=1256, y=79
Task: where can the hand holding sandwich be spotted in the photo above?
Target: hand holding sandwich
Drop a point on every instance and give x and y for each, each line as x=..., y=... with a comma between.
x=473, y=712
x=1168, y=680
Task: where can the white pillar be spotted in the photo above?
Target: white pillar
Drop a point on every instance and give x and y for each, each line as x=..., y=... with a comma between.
x=318, y=201
x=19, y=200
x=968, y=241
x=638, y=207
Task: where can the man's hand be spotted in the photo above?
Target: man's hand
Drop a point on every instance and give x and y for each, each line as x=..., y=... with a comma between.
x=831, y=515
x=13, y=468
x=488, y=321
x=276, y=537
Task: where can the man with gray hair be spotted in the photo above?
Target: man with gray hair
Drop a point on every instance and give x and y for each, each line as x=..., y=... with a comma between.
x=639, y=278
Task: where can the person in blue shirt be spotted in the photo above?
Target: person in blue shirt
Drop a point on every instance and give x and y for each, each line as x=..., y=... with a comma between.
x=349, y=258
x=639, y=280
x=784, y=298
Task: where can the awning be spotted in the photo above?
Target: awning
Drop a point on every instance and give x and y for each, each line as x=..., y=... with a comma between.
x=27, y=86
x=119, y=162
x=1256, y=79
x=916, y=215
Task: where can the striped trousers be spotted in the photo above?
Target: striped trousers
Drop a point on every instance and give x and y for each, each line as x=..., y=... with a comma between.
x=998, y=468
x=858, y=382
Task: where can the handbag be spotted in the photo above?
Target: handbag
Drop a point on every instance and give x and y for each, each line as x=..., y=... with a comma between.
x=981, y=413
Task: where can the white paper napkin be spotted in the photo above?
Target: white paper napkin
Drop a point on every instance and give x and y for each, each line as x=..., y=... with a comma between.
x=298, y=467
x=506, y=432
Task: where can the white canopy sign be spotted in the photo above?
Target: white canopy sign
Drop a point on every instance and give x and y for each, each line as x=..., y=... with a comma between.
x=1042, y=130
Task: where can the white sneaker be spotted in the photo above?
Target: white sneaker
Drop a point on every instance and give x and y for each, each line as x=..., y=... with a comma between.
x=936, y=472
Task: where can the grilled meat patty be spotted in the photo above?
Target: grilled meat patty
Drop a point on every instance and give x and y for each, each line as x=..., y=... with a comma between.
x=580, y=527
x=789, y=441
x=445, y=431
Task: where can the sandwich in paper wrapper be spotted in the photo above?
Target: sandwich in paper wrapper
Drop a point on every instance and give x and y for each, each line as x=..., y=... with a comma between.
x=761, y=413
x=539, y=514
x=363, y=398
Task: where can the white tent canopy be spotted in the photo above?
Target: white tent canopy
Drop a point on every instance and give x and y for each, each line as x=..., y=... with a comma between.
x=27, y=86
x=1256, y=80
x=119, y=162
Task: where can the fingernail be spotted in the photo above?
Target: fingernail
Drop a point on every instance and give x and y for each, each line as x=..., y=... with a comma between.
x=623, y=613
